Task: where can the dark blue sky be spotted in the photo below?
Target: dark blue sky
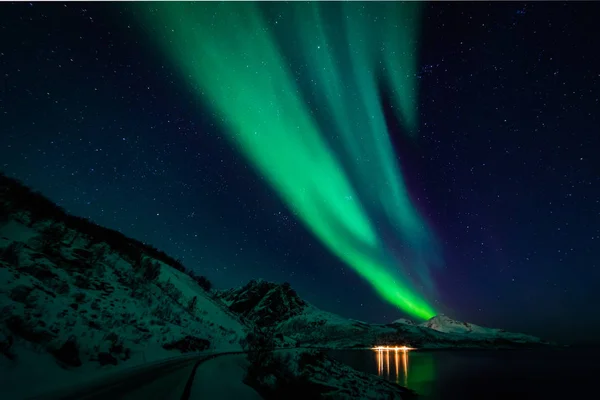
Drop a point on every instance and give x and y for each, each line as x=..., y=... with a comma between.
x=505, y=167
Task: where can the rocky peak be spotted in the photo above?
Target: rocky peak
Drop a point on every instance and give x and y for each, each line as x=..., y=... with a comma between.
x=265, y=303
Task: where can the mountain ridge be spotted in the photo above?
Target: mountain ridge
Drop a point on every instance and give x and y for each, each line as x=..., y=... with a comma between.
x=78, y=299
x=309, y=325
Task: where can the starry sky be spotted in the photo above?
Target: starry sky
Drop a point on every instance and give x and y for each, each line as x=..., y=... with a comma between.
x=502, y=164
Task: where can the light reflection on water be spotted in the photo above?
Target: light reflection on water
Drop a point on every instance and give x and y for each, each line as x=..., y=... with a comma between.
x=412, y=369
x=383, y=364
x=469, y=374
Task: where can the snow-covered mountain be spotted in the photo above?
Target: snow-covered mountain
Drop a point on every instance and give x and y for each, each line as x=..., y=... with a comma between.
x=279, y=307
x=403, y=321
x=445, y=324
x=442, y=323
x=78, y=300
x=71, y=304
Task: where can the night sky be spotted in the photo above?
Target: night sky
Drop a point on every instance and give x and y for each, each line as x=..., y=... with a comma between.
x=503, y=164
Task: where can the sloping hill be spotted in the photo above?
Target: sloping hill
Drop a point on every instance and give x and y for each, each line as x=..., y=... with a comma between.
x=72, y=302
x=78, y=299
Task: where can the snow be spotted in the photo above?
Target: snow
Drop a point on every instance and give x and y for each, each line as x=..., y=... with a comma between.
x=212, y=310
x=403, y=321
x=113, y=315
x=442, y=323
x=222, y=378
x=445, y=324
x=17, y=231
x=321, y=324
x=280, y=308
x=52, y=301
x=168, y=386
x=16, y=378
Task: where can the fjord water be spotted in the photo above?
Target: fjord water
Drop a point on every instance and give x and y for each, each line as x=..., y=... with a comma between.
x=484, y=374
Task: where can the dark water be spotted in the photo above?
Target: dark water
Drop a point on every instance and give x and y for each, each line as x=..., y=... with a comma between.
x=501, y=374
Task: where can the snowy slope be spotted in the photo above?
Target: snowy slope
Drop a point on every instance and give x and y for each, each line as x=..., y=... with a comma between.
x=278, y=306
x=442, y=323
x=79, y=300
x=314, y=323
x=403, y=321
x=63, y=316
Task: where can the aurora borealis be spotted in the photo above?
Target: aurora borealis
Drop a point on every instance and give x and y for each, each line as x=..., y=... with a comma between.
x=447, y=151
x=335, y=174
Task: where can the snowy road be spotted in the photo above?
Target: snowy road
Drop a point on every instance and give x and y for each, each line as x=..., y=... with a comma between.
x=202, y=376
x=221, y=378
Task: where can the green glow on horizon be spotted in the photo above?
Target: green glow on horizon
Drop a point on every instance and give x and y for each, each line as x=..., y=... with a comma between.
x=229, y=53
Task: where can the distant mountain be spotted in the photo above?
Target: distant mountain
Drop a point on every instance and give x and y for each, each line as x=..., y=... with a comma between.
x=278, y=307
x=74, y=294
x=78, y=300
x=442, y=323
x=403, y=321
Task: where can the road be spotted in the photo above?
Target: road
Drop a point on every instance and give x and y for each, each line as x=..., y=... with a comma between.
x=222, y=378
x=171, y=379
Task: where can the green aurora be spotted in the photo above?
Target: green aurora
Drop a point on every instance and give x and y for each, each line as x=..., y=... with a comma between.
x=315, y=132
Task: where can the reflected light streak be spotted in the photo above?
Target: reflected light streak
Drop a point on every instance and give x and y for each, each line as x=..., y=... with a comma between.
x=397, y=364
x=397, y=349
x=387, y=358
x=379, y=363
x=405, y=366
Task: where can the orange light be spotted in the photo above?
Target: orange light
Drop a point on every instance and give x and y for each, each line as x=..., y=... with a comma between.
x=388, y=362
x=383, y=365
x=379, y=363
x=395, y=348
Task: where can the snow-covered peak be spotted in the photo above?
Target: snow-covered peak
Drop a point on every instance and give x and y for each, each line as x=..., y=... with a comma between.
x=404, y=321
x=443, y=323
